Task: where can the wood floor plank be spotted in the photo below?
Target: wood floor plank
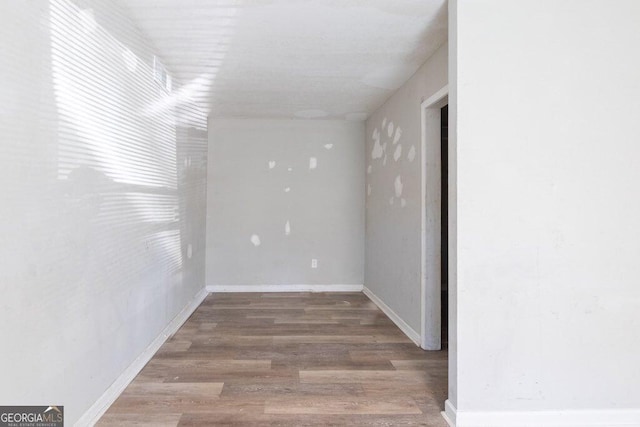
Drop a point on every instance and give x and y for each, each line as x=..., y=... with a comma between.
x=419, y=365
x=343, y=339
x=292, y=359
x=362, y=376
x=175, y=390
x=340, y=406
x=315, y=420
x=157, y=398
x=226, y=366
x=139, y=420
x=175, y=345
x=293, y=391
x=259, y=376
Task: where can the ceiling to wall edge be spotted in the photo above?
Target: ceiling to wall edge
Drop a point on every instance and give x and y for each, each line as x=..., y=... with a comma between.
x=278, y=106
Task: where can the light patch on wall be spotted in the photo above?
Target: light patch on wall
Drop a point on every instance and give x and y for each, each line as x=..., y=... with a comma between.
x=369, y=169
x=290, y=169
x=287, y=228
x=313, y=163
x=398, y=152
x=328, y=146
x=286, y=190
x=311, y=114
x=255, y=239
x=397, y=185
x=112, y=208
x=272, y=164
x=412, y=153
x=403, y=202
x=88, y=20
x=390, y=129
x=397, y=136
x=130, y=60
x=378, y=150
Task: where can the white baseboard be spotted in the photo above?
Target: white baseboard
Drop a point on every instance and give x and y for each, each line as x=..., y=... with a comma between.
x=566, y=418
x=449, y=413
x=98, y=409
x=404, y=327
x=284, y=288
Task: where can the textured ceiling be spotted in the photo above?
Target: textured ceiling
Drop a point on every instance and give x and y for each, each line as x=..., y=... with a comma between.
x=292, y=58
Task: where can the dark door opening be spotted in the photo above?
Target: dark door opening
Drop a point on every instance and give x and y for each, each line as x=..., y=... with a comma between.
x=444, y=228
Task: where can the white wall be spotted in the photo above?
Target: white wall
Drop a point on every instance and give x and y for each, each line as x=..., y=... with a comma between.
x=452, y=207
x=324, y=206
x=547, y=190
x=102, y=194
x=393, y=223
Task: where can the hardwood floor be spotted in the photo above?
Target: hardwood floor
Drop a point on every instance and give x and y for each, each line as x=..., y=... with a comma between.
x=299, y=359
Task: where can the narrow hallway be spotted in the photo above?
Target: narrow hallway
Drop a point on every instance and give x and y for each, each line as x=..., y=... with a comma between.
x=286, y=359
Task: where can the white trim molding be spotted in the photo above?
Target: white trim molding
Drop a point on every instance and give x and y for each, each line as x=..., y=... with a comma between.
x=284, y=288
x=436, y=98
x=563, y=418
x=449, y=413
x=404, y=327
x=103, y=403
x=431, y=198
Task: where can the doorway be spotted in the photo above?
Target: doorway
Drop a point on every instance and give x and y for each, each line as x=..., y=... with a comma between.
x=435, y=209
x=444, y=229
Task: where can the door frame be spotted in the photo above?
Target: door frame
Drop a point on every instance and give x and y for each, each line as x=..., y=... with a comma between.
x=430, y=274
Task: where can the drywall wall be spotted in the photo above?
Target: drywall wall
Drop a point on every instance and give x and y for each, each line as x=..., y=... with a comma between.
x=281, y=193
x=452, y=209
x=548, y=238
x=393, y=203
x=103, y=182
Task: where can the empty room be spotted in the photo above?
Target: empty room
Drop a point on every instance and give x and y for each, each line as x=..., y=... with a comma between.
x=320, y=213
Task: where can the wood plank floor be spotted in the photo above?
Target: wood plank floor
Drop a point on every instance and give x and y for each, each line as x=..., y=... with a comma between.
x=299, y=359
